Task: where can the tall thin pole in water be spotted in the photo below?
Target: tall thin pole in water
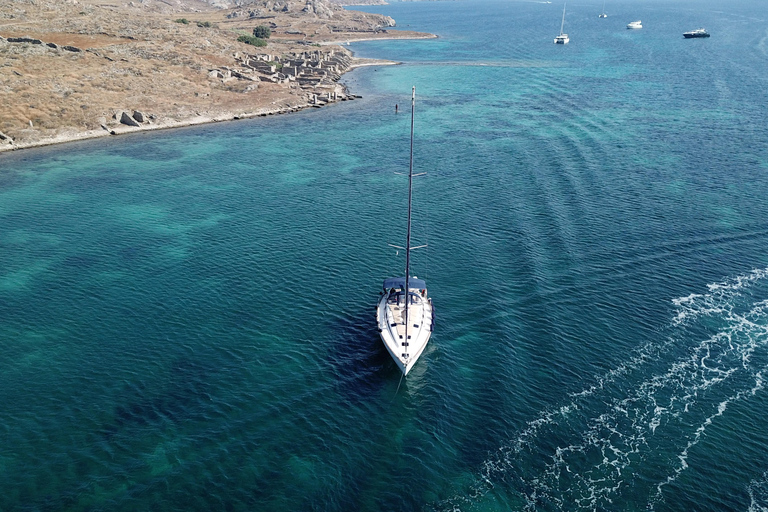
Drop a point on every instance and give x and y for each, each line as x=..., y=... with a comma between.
x=408, y=235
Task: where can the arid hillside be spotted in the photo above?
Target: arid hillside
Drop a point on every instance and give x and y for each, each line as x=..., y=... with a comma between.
x=84, y=68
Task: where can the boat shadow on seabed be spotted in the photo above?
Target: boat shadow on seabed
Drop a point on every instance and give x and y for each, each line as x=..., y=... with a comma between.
x=363, y=368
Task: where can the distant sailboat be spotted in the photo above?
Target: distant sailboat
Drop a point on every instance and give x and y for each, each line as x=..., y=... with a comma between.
x=404, y=315
x=562, y=38
x=602, y=14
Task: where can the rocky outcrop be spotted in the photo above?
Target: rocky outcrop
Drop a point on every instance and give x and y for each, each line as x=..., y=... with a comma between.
x=126, y=118
x=139, y=116
x=31, y=40
x=24, y=40
x=319, y=8
x=259, y=8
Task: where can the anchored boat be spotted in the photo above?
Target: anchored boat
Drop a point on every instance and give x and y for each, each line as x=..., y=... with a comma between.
x=562, y=38
x=602, y=14
x=700, y=32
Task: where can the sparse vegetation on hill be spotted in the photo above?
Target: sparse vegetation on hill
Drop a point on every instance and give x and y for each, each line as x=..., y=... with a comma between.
x=262, y=32
x=252, y=40
x=82, y=64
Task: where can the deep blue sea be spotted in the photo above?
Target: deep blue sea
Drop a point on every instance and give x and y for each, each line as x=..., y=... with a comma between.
x=187, y=316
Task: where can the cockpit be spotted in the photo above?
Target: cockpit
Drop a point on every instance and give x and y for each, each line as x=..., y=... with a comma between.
x=397, y=297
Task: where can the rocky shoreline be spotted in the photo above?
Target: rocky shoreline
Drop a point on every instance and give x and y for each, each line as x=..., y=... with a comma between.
x=124, y=122
x=65, y=81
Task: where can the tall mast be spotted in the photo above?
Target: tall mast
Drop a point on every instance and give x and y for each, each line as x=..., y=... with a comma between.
x=408, y=235
x=562, y=23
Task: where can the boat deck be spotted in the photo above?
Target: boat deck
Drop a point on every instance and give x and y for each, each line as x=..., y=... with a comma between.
x=390, y=315
x=396, y=311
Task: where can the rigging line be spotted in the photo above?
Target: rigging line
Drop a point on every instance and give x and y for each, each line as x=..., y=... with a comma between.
x=423, y=231
x=398, y=386
x=426, y=235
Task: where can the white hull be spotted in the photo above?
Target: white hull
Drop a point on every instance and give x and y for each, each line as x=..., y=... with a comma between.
x=635, y=25
x=390, y=314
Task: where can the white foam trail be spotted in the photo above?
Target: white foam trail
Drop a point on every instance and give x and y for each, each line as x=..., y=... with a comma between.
x=612, y=430
x=758, y=494
x=719, y=297
x=683, y=456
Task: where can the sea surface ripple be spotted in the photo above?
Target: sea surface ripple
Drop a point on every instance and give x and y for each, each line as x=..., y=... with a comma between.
x=187, y=316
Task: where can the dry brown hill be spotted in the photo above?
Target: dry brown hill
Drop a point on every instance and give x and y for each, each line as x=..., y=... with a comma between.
x=71, y=68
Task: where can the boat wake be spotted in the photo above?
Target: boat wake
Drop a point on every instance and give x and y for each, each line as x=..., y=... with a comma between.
x=520, y=63
x=758, y=494
x=636, y=425
x=763, y=44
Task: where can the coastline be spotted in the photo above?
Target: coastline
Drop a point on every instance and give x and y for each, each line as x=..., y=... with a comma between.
x=219, y=117
x=286, y=106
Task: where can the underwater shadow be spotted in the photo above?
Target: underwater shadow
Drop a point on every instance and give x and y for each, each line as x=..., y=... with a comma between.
x=179, y=397
x=362, y=366
x=149, y=151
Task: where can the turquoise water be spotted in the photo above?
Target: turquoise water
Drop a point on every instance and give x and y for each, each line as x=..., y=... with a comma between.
x=187, y=317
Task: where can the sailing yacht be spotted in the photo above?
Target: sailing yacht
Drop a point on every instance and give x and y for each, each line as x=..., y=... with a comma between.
x=562, y=38
x=602, y=14
x=404, y=314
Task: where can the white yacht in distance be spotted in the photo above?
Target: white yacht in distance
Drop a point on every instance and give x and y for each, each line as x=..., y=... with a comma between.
x=699, y=32
x=562, y=38
x=404, y=315
x=635, y=24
